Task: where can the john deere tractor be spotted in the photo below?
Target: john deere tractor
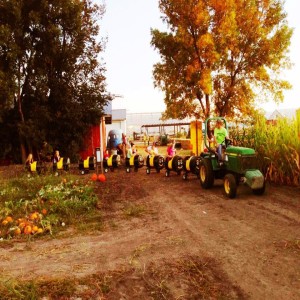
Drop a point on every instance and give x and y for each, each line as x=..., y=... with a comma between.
x=238, y=165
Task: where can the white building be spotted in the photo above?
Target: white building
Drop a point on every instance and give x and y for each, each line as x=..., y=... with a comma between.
x=118, y=120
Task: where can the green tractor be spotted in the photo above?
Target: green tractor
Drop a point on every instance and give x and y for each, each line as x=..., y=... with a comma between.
x=238, y=165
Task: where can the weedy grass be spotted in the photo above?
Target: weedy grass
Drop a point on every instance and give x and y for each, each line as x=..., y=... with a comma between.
x=134, y=210
x=187, y=277
x=36, y=205
x=34, y=289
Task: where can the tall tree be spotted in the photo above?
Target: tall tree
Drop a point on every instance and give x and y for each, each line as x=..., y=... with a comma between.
x=220, y=56
x=53, y=84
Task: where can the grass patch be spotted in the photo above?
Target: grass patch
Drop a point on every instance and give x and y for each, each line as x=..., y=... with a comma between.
x=45, y=204
x=55, y=289
x=134, y=210
x=189, y=277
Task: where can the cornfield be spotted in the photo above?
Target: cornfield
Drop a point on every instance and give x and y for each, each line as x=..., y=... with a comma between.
x=277, y=145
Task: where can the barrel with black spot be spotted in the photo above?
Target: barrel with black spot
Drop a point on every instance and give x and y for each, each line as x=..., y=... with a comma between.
x=87, y=164
x=62, y=165
x=174, y=164
x=191, y=164
x=154, y=162
x=112, y=162
x=136, y=161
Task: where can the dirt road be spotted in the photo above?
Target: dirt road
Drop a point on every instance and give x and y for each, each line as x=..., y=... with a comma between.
x=254, y=241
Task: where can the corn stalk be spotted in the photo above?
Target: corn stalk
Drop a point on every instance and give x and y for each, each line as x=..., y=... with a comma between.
x=277, y=145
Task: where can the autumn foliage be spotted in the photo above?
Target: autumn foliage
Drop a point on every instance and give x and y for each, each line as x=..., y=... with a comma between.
x=219, y=57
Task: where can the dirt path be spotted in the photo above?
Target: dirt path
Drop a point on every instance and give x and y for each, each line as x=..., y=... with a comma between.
x=255, y=240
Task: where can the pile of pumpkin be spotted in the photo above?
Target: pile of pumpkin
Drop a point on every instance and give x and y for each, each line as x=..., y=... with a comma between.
x=29, y=225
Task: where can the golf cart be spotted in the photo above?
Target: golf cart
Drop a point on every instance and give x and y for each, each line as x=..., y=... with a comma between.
x=238, y=165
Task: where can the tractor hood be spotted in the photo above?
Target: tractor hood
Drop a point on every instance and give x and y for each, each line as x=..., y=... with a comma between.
x=232, y=150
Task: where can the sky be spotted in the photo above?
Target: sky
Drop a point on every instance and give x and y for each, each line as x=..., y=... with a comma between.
x=129, y=57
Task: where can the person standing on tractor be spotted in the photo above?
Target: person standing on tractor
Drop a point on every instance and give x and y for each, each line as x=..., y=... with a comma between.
x=220, y=135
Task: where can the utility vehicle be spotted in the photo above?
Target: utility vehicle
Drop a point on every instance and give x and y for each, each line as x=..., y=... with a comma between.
x=238, y=165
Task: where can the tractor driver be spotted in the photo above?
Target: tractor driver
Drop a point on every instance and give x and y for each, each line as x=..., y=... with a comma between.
x=220, y=135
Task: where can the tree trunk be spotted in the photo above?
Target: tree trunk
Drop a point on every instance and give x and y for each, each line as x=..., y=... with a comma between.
x=207, y=103
x=22, y=120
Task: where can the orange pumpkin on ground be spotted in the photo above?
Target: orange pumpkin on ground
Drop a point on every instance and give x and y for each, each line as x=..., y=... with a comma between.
x=94, y=177
x=28, y=229
x=101, y=177
x=17, y=231
x=9, y=219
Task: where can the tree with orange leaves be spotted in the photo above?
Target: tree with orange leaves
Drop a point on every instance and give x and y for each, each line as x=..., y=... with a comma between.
x=219, y=57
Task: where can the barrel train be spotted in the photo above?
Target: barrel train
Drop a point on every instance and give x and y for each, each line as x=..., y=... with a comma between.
x=237, y=165
x=177, y=164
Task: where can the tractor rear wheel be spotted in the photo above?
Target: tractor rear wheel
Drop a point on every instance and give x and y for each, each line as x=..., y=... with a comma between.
x=230, y=186
x=206, y=173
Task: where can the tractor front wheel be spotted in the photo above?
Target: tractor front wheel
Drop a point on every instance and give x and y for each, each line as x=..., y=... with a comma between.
x=260, y=191
x=206, y=173
x=230, y=186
